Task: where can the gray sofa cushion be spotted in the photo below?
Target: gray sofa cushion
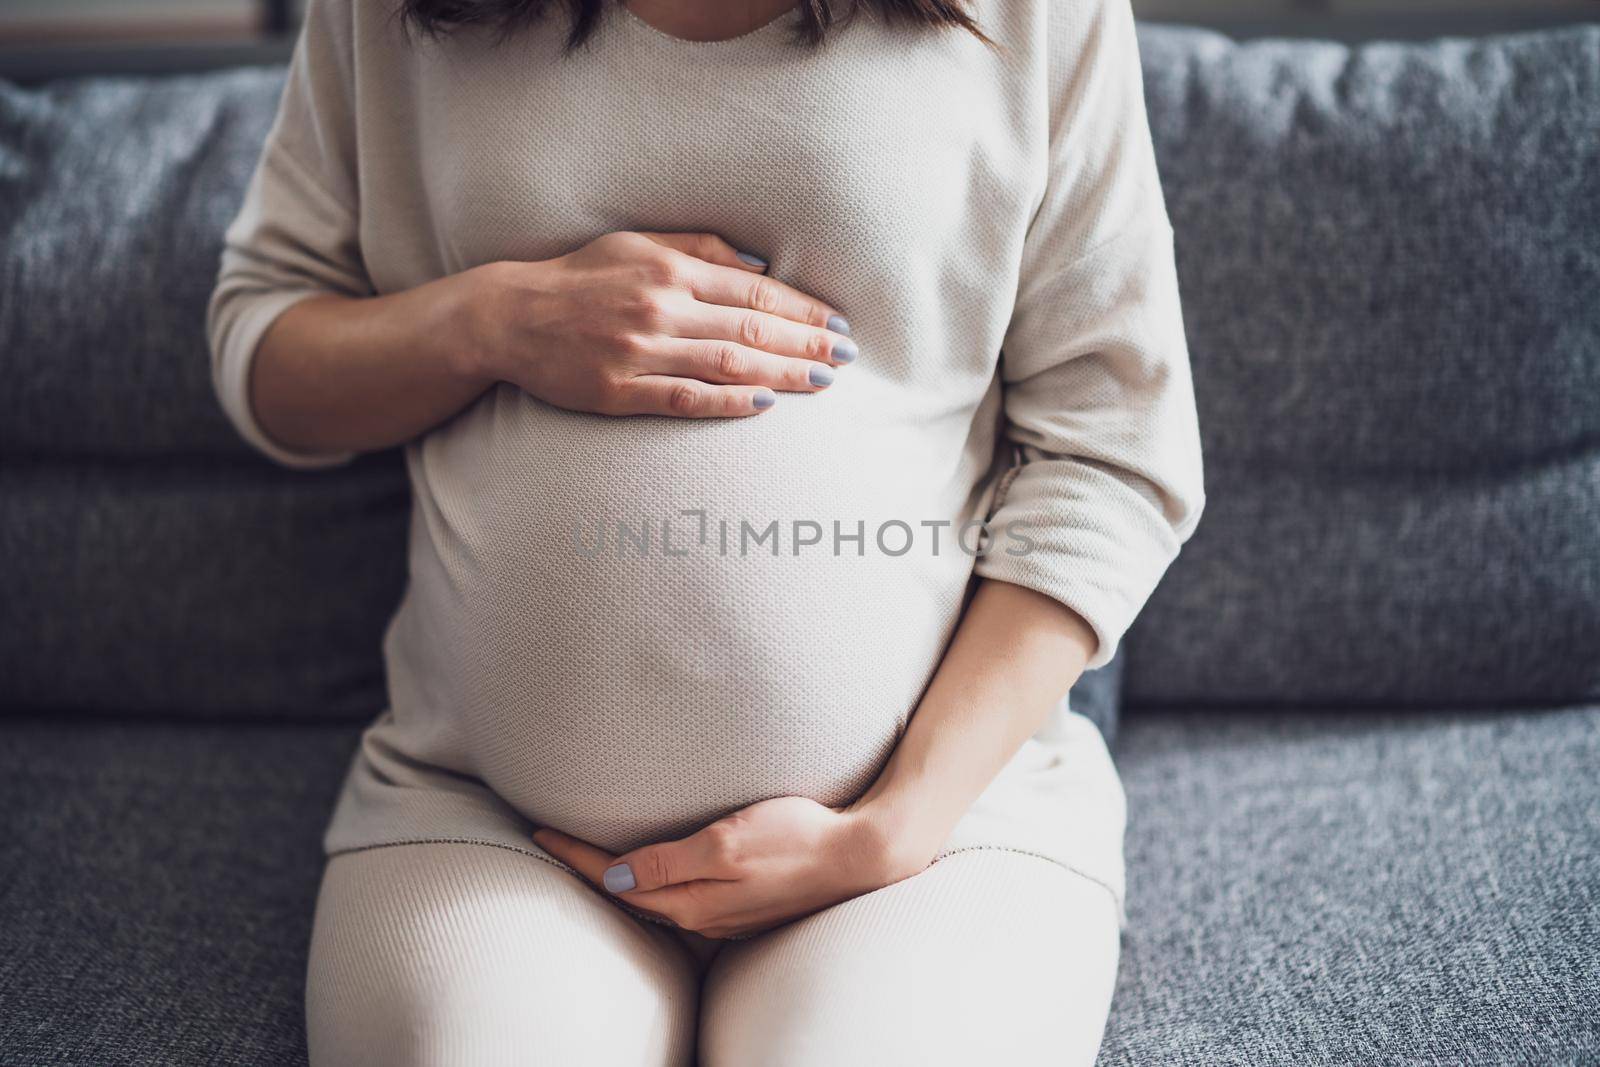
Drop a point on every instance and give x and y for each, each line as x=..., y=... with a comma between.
x=1390, y=256
x=1361, y=889
x=157, y=883
x=113, y=197
x=148, y=558
x=201, y=589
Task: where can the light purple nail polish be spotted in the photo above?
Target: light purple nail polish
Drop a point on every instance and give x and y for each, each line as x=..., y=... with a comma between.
x=619, y=878
x=752, y=259
x=845, y=351
x=821, y=375
x=764, y=399
x=839, y=324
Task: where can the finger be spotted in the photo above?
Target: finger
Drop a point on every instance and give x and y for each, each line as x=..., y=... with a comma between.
x=685, y=398
x=737, y=289
x=699, y=857
x=730, y=363
x=586, y=859
x=691, y=905
x=709, y=247
x=593, y=863
x=769, y=333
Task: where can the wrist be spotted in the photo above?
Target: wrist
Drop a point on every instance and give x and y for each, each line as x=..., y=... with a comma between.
x=453, y=325
x=894, y=840
x=474, y=313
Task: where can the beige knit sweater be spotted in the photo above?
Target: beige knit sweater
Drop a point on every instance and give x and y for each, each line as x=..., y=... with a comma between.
x=625, y=628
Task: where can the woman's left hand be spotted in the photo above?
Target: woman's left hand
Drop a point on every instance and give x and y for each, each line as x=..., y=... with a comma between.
x=774, y=861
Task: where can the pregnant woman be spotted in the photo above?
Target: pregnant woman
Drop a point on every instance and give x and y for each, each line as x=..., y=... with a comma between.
x=795, y=402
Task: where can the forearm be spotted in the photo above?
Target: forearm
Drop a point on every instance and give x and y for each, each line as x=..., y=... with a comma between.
x=336, y=373
x=1015, y=654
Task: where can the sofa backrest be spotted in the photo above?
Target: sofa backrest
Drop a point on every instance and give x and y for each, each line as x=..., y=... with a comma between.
x=1390, y=265
x=149, y=562
x=1389, y=255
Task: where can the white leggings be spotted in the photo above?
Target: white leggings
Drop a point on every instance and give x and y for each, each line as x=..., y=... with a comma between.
x=469, y=955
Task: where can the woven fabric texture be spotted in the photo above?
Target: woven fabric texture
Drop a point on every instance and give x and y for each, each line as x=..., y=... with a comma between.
x=1389, y=257
x=1355, y=888
x=119, y=474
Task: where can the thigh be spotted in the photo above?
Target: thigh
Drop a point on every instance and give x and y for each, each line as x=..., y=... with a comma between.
x=467, y=955
x=988, y=956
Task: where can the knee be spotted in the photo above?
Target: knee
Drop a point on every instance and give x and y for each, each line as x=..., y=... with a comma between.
x=880, y=1027
x=491, y=959
x=926, y=972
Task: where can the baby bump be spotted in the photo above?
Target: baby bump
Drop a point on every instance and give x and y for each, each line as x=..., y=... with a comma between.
x=657, y=622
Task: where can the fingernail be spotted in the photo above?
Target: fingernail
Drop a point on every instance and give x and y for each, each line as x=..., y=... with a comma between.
x=839, y=324
x=762, y=400
x=821, y=375
x=619, y=878
x=845, y=351
x=752, y=259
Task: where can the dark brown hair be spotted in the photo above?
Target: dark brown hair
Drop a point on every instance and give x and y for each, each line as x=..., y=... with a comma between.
x=434, y=17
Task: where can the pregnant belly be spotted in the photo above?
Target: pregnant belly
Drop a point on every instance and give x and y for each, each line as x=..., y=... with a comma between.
x=642, y=625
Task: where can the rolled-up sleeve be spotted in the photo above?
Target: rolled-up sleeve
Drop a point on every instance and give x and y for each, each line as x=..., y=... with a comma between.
x=296, y=234
x=1099, y=399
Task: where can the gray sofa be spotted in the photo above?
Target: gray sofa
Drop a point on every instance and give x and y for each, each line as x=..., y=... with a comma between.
x=1359, y=722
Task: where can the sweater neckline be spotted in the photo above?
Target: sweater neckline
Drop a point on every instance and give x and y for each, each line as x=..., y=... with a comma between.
x=780, y=23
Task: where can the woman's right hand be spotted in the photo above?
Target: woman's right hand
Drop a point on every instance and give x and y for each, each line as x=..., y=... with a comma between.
x=640, y=323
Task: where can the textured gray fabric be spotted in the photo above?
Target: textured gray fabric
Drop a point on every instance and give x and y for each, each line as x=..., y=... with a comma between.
x=157, y=882
x=1353, y=888
x=113, y=197
x=193, y=588
x=1389, y=258
x=148, y=558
